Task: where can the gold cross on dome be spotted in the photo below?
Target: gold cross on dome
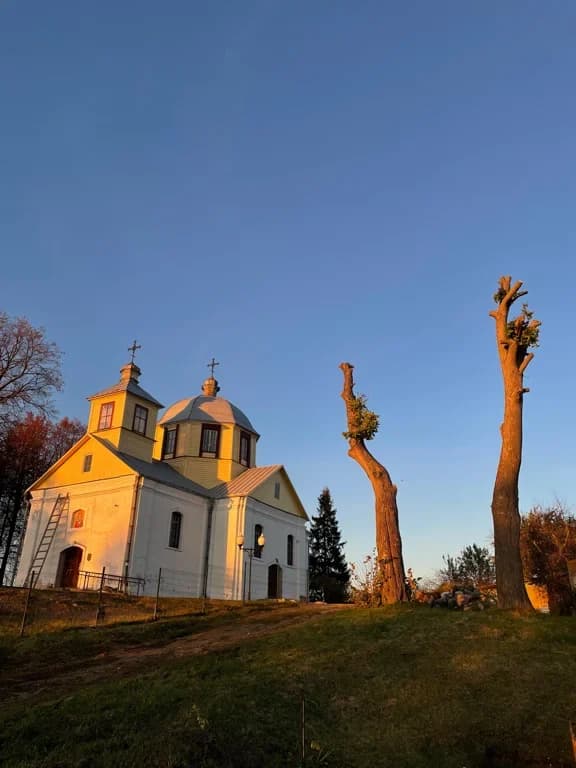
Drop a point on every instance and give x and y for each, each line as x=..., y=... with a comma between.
x=212, y=364
x=133, y=349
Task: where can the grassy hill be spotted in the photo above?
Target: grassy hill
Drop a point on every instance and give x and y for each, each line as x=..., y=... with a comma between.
x=406, y=686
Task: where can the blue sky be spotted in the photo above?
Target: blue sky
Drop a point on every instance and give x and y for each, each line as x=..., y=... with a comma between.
x=289, y=185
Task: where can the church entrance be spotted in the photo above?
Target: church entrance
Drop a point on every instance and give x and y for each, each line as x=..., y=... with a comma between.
x=69, y=567
x=274, y=582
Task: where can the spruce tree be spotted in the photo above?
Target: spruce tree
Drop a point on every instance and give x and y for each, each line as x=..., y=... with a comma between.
x=329, y=574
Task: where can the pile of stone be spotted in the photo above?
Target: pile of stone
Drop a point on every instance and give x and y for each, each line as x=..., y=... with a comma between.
x=460, y=598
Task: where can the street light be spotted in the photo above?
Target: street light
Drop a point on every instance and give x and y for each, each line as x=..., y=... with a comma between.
x=240, y=541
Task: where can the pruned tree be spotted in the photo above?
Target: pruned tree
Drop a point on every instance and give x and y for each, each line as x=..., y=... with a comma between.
x=29, y=368
x=27, y=449
x=362, y=426
x=514, y=339
x=329, y=576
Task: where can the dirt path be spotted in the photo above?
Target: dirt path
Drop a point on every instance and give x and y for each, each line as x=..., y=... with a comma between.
x=132, y=660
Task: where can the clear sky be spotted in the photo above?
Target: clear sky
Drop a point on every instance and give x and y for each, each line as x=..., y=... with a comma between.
x=286, y=185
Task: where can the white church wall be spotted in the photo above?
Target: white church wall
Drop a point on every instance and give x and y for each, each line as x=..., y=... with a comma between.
x=225, y=571
x=107, y=506
x=182, y=567
x=277, y=526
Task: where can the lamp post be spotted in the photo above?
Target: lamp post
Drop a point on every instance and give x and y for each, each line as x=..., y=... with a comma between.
x=240, y=541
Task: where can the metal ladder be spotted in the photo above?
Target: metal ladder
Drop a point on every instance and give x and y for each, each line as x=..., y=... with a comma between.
x=41, y=554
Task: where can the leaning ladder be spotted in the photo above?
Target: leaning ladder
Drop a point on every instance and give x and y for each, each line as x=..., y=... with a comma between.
x=41, y=553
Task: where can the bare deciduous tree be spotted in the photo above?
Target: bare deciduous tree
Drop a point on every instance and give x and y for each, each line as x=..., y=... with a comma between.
x=362, y=426
x=29, y=367
x=514, y=338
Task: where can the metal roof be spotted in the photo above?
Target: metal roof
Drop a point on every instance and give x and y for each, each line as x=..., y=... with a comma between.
x=163, y=473
x=206, y=409
x=128, y=386
x=244, y=484
x=158, y=471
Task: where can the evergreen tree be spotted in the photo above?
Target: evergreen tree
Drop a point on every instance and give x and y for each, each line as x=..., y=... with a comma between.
x=329, y=574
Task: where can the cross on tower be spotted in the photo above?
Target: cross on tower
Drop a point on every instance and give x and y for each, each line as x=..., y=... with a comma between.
x=212, y=364
x=133, y=349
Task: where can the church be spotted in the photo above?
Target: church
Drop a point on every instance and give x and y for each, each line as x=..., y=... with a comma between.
x=176, y=498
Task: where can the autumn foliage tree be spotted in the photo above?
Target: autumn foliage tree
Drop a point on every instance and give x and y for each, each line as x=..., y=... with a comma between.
x=514, y=338
x=27, y=449
x=363, y=426
x=548, y=544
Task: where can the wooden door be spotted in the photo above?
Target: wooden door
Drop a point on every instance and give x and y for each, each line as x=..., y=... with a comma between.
x=69, y=567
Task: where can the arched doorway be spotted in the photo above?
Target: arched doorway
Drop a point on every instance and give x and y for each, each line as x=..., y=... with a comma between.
x=274, y=582
x=68, y=567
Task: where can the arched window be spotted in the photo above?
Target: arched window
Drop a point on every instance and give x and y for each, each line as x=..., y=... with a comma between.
x=78, y=518
x=257, y=548
x=290, y=550
x=175, y=530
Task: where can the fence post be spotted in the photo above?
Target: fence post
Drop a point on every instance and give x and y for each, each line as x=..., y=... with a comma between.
x=26, y=603
x=303, y=729
x=155, y=617
x=99, y=611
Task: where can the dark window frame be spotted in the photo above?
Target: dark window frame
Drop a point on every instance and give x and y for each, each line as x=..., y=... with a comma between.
x=138, y=417
x=105, y=418
x=258, y=531
x=277, y=489
x=210, y=428
x=168, y=432
x=87, y=465
x=245, y=440
x=175, y=530
x=290, y=550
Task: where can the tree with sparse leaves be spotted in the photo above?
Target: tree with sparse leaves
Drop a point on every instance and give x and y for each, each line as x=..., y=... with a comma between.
x=548, y=544
x=514, y=339
x=363, y=425
x=329, y=576
x=474, y=566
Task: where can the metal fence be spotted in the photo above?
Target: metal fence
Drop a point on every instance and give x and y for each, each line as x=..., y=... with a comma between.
x=100, y=599
x=93, y=598
x=92, y=580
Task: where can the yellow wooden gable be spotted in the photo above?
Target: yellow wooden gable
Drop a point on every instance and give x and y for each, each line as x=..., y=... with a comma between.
x=278, y=491
x=89, y=459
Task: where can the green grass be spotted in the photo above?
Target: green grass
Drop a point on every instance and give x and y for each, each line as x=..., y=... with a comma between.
x=78, y=644
x=53, y=609
x=391, y=687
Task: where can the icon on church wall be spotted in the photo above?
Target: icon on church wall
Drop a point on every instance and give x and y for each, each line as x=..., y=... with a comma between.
x=78, y=518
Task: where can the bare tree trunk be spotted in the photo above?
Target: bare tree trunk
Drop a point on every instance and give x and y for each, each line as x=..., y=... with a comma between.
x=513, y=341
x=388, y=540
